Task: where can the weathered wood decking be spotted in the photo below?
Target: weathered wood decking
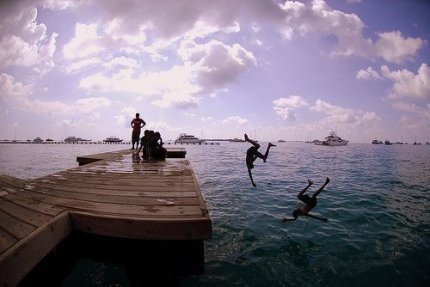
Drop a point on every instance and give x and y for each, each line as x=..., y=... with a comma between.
x=113, y=194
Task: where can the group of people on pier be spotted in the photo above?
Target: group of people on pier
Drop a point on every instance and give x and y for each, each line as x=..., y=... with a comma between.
x=151, y=144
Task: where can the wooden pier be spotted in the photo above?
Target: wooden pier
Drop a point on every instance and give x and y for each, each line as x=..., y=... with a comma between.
x=115, y=195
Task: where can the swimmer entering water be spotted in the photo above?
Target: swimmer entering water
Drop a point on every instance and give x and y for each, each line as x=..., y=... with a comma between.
x=310, y=203
x=252, y=154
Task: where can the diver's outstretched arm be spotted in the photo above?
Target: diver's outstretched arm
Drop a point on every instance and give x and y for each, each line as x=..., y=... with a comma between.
x=316, y=217
x=285, y=219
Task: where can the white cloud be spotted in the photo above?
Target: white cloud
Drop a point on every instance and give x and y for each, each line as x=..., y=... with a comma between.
x=85, y=43
x=423, y=113
x=368, y=74
x=338, y=115
x=207, y=69
x=18, y=94
x=126, y=62
x=24, y=42
x=408, y=84
x=320, y=19
x=284, y=107
x=12, y=91
x=235, y=121
x=80, y=65
x=125, y=116
x=393, y=47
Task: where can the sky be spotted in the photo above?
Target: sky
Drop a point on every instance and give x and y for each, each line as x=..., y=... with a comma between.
x=291, y=70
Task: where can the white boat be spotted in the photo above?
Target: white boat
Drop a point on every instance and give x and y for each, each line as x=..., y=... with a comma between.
x=112, y=140
x=188, y=139
x=75, y=139
x=332, y=140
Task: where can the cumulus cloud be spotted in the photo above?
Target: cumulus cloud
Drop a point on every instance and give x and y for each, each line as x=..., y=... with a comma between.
x=339, y=115
x=207, y=69
x=216, y=64
x=285, y=107
x=25, y=42
x=19, y=94
x=407, y=84
x=86, y=42
x=319, y=19
x=10, y=90
x=368, y=74
x=235, y=120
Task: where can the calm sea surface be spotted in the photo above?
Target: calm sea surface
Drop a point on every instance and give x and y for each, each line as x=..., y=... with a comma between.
x=378, y=205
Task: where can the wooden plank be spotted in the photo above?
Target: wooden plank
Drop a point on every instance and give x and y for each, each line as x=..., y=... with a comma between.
x=126, y=209
x=6, y=241
x=11, y=181
x=18, y=260
x=14, y=227
x=25, y=200
x=151, y=229
x=120, y=189
x=28, y=216
x=120, y=199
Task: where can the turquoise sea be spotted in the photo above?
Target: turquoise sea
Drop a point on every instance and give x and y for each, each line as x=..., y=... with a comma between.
x=378, y=205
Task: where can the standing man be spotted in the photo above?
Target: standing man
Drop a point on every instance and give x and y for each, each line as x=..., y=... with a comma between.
x=136, y=124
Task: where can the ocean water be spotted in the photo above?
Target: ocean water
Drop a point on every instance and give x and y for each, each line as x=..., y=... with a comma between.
x=378, y=205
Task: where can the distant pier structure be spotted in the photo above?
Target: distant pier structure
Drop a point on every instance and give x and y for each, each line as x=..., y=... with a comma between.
x=147, y=216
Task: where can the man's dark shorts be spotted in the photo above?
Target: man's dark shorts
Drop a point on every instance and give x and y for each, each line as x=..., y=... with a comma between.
x=135, y=136
x=253, y=151
x=311, y=202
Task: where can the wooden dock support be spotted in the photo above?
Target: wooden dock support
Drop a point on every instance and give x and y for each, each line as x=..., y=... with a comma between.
x=113, y=197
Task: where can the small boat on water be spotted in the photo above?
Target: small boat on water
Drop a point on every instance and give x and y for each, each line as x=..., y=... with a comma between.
x=75, y=139
x=376, y=142
x=112, y=139
x=236, y=140
x=38, y=140
x=188, y=139
x=332, y=140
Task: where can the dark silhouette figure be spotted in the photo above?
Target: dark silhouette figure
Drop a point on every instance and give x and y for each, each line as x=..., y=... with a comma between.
x=310, y=203
x=152, y=146
x=137, y=124
x=252, y=154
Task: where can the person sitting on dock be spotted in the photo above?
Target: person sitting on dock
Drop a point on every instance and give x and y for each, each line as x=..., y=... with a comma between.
x=154, y=147
x=310, y=203
x=252, y=154
x=137, y=124
x=146, y=135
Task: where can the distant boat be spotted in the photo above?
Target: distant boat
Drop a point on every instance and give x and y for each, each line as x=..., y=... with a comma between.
x=387, y=143
x=332, y=140
x=112, y=139
x=376, y=142
x=188, y=139
x=281, y=141
x=236, y=140
x=38, y=140
x=75, y=139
